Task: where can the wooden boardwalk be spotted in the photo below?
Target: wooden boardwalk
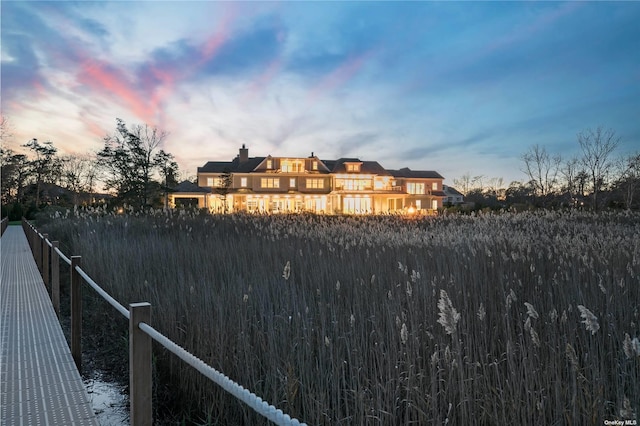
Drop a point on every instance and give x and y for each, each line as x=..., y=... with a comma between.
x=40, y=384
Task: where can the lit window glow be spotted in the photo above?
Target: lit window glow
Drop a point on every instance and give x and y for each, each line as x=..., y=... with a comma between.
x=270, y=183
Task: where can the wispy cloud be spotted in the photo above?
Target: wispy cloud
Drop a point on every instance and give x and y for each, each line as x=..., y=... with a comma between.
x=420, y=84
x=339, y=77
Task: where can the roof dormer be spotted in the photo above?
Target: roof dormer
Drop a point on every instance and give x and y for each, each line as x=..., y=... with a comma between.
x=353, y=166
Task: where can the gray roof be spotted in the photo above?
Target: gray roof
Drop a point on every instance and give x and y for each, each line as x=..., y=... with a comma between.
x=234, y=166
x=451, y=190
x=333, y=166
x=186, y=186
x=369, y=167
x=408, y=173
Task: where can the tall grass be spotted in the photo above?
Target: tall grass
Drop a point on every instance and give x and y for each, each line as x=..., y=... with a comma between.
x=489, y=319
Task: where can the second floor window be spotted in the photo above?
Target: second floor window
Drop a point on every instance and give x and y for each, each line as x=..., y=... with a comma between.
x=243, y=182
x=434, y=186
x=415, y=188
x=354, y=184
x=214, y=182
x=270, y=183
x=315, y=183
x=269, y=164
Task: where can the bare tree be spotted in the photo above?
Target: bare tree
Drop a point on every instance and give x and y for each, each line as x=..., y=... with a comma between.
x=542, y=169
x=467, y=183
x=495, y=187
x=629, y=177
x=5, y=129
x=569, y=171
x=78, y=175
x=597, y=146
x=463, y=183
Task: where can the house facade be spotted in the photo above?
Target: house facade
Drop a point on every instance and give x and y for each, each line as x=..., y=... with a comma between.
x=297, y=184
x=452, y=196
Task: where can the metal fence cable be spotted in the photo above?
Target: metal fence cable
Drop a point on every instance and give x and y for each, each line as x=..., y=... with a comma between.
x=252, y=400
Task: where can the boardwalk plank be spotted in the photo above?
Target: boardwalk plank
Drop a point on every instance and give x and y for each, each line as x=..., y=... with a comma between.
x=40, y=383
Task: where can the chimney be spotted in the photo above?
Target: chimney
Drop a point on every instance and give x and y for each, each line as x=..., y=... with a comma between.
x=244, y=154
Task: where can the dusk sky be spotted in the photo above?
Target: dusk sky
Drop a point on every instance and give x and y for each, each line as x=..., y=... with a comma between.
x=454, y=87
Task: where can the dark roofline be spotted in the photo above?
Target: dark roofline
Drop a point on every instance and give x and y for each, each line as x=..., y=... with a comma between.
x=406, y=172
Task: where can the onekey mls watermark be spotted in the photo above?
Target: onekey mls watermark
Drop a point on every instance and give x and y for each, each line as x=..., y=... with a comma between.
x=620, y=422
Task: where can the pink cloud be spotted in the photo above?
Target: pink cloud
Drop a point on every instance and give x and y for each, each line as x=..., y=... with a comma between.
x=103, y=78
x=213, y=44
x=339, y=76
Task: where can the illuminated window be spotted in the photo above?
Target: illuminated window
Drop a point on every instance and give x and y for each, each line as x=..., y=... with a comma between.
x=353, y=167
x=291, y=166
x=314, y=165
x=419, y=204
x=354, y=184
x=270, y=183
x=315, y=183
x=269, y=164
x=356, y=205
x=434, y=186
x=243, y=182
x=292, y=182
x=380, y=184
x=415, y=188
x=214, y=182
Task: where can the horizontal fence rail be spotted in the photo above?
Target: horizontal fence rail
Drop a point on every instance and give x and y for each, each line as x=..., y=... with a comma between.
x=47, y=255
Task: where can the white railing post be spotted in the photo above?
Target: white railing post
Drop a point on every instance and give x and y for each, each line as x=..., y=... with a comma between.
x=55, y=277
x=140, y=366
x=76, y=312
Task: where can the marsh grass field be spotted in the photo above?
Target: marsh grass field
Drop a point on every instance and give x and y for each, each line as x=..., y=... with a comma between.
x=513, y=318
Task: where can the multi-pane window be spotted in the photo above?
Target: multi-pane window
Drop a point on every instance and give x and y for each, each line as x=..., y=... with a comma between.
x=434, y=186
x=270, y=183
x=314, y=165
x=291, y=166
x=269, y=164
x=415, y=188
x=354, y=184
x=315, y=183
x=214, y=182
x=353, y=167
x=243, y=182
x=292, y=182
x=356, y=205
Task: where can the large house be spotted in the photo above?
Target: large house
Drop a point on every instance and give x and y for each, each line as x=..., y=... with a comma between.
x=293, y=184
